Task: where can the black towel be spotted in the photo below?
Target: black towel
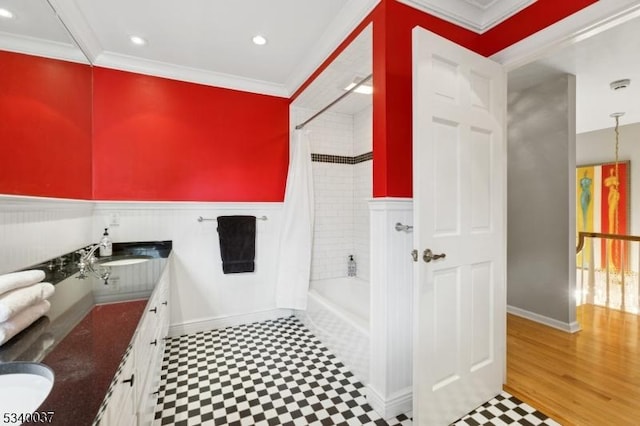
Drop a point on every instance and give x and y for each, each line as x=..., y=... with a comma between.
x=237, y=236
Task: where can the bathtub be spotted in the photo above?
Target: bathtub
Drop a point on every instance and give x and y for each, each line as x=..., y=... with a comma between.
x=338, y=314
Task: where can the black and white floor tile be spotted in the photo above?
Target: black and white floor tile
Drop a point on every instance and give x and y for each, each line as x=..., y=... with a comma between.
x=505, y=409
x=278, y=373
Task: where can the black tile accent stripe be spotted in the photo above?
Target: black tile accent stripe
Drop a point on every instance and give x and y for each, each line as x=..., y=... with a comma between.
x=363, y=157
x=341, y=159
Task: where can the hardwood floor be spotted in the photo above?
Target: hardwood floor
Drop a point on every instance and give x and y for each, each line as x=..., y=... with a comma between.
x=587, y=378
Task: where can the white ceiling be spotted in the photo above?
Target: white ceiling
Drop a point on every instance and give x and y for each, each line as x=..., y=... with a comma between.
x=36, y=30
x=202, y=41
x=610, y=55
x=209, y=42
x=356, y=61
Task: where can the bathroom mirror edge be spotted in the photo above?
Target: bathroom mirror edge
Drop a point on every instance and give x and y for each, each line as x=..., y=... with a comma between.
x=46, y=103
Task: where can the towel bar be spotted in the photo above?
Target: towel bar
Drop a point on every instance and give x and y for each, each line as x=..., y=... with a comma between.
x=202, y=219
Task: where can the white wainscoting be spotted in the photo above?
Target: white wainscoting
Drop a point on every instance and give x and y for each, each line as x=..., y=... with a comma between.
x=35, y=229
x=202, y=296
x=390, y=388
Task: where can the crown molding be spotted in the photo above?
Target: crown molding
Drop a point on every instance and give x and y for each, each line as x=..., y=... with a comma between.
x=350, y=16
x=40, y=47
x=77, y=27
x=188, y=74
x=471, y=14
x=590, y=21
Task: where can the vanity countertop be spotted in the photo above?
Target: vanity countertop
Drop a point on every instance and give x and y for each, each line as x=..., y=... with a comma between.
x=88, y=329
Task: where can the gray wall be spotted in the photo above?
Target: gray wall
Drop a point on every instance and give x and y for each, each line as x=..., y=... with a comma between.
x=541, y=205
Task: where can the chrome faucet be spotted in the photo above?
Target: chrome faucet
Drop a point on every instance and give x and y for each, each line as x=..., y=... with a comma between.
x=87, y=259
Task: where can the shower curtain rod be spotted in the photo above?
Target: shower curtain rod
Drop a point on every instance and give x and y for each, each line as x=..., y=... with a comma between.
x=348, y=92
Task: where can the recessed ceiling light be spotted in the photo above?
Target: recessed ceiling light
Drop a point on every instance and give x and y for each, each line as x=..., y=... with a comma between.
x=4, y=13
x=137, y=40
x=259, y=40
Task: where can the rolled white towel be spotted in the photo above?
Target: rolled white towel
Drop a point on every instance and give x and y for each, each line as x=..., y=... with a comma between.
x=15, y=301
x=24, y=319
x=15, y=280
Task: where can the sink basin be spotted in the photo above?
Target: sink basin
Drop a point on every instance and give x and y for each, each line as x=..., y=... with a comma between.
x=122, y=260
x=24, y=386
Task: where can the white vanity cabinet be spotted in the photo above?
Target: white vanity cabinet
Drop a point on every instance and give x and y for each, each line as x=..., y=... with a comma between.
x=134, y=391
x=151, y=338
x=121, y=407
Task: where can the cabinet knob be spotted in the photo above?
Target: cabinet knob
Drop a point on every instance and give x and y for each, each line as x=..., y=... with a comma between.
x=130, y=381
x=155, y=342
x=165, y=303
x=154, y=310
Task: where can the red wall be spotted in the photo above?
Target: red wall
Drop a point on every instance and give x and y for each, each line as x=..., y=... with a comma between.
x=160, y=139
x=45, y=127
x=392, y=103
x=534, y=18
x=392, y=67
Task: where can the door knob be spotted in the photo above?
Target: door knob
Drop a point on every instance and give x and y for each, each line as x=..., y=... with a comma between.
x=428, y=256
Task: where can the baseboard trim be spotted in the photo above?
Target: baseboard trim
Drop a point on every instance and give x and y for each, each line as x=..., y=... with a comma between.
x=226, y=321
x=569, y=327
x=399, y=403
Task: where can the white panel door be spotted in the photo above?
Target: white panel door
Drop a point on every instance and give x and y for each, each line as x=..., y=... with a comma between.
x=459, y=196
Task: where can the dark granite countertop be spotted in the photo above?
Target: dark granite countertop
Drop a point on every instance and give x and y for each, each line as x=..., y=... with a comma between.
x=88, y=329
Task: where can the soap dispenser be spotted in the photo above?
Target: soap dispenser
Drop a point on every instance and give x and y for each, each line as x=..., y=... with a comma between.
x=351, y=266
x=106, y=247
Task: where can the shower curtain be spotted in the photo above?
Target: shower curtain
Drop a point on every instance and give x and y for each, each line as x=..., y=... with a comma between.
x=296, y=232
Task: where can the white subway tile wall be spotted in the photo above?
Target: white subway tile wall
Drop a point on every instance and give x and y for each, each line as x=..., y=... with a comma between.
x=362, y=189
x=341, y=192
x=363, y=131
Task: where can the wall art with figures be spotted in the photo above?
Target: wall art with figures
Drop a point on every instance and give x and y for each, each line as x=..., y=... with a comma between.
x=602, y=205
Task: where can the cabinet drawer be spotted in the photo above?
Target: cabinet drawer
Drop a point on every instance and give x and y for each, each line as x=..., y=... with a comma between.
x=153, y=331
x=146, y=342
x=121, y=406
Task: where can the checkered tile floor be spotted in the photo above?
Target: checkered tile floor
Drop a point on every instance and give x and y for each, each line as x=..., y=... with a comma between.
x=505, y=409
x=277, y=373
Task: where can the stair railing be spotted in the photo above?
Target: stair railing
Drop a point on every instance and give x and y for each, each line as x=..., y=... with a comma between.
x=611, y=280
